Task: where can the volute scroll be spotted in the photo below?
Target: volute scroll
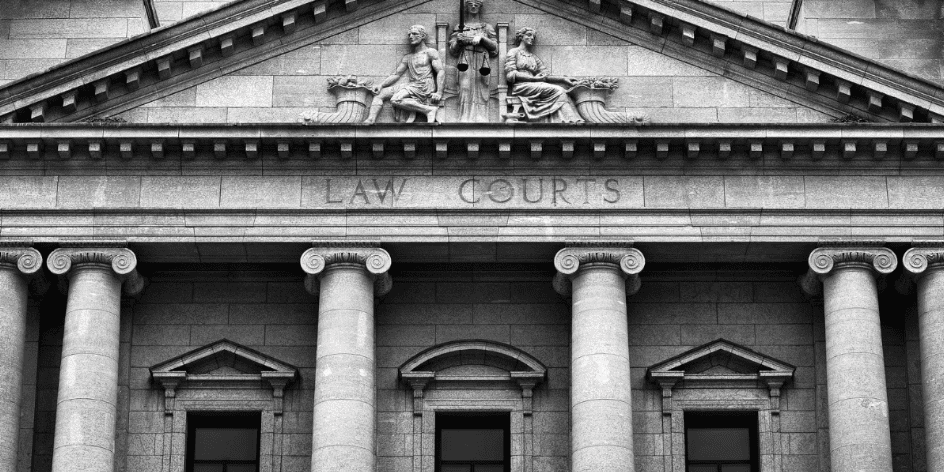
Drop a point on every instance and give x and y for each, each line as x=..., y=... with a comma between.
x=375, y=260
x=569, y=260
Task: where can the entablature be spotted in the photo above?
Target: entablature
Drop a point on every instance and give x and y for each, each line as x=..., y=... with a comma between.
x=793, y=143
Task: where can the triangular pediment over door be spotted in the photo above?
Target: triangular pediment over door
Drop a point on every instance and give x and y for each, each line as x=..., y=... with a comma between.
x=271, y=61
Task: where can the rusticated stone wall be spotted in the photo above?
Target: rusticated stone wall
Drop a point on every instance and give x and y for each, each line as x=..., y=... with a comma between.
x=678, y=308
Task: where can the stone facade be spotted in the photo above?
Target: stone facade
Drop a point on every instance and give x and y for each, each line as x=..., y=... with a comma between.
x=196, y=222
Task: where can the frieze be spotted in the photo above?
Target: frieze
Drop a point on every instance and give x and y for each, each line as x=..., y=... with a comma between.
x=373, y=258
x=121, y=260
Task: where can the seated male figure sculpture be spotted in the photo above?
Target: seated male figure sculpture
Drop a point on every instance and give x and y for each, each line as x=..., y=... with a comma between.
x=426, y=78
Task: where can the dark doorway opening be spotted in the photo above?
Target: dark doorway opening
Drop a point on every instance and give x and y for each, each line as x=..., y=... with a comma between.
x=721, y=442
x=223, y=442
x=473, y=442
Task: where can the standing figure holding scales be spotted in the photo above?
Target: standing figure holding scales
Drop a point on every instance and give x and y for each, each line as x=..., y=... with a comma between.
x=474, y=43
x=423, y=91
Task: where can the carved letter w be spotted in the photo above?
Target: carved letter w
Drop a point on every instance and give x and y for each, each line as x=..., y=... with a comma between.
x=389, y=189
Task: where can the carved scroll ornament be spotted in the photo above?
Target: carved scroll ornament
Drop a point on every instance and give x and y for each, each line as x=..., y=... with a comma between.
x=824, y=260
x=568, y=261
x=923, y=256
x=374, y=259
x=122, y=261
x=27, y=260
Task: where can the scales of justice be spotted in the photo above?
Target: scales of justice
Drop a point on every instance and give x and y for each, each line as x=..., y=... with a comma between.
x=454, y=79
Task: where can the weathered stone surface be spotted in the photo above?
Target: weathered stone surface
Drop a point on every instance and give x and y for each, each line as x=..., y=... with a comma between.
x=858, y=401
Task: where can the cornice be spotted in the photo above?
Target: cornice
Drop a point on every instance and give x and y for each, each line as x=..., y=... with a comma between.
x=762, y=55
x=568, y=261
x=173, y=58
x=121, y=260
x=127, y=142
x=374, y=259
x=236, y=35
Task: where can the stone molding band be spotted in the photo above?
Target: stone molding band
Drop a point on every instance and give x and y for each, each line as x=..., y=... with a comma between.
x=122, y=261
x=26, y=259
x=568, y=261
x=374, y=259
x=824, y=260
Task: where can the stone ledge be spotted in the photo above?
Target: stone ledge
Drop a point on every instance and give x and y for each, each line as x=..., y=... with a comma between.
x=691, y=142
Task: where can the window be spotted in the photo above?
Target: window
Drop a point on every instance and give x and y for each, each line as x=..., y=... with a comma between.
x=473, y=442
x=223, y=442
x=721, y=442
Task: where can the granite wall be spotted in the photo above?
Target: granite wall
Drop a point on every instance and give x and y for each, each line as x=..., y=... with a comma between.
x=678, y=308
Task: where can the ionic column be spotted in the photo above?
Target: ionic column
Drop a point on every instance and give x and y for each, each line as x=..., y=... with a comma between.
x=15, y=264
x=346, y=278
x=598, y=278
x=927, y=264
x=859, y=438
x=88, y=376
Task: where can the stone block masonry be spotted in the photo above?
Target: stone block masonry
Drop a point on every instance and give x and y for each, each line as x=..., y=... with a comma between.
x=35, y=36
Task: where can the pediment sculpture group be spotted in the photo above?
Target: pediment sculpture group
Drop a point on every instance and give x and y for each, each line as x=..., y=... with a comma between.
x=530, y=92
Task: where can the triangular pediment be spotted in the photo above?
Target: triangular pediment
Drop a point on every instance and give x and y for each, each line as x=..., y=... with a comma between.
x=223, y=361
x=720, y=360
x=758, y=63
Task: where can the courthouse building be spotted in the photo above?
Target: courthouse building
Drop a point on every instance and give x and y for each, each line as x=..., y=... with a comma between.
x=527, y=236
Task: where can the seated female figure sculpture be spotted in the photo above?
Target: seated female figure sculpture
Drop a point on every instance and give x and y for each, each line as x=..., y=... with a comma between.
x=542, y=99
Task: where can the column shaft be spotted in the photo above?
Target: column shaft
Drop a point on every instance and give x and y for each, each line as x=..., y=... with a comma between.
x=601, y=406
x=855, y=370
x=88, y=376
x=931, y=329
x=13, y=301
x=344, y=411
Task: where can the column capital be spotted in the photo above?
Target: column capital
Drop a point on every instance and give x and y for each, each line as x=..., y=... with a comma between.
x=121, y=259
x=26, y=259
x=923, y=255
x=627, y=259
x=823, y=260
x=370, y=255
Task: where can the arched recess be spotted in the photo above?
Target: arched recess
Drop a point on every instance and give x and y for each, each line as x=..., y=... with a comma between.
x=473, y=376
